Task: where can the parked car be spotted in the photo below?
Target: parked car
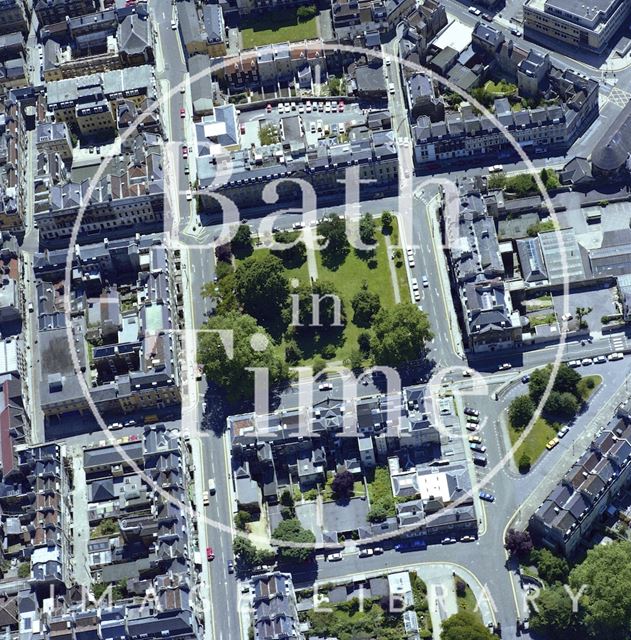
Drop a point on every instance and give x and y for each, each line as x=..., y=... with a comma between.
x=378, y=551
x=210, y=554
x=448, y=541
x=268, y=108
x=471, y=426
x=206, y=498
x=487, y=16
x=391, y=88
x=325, y=386
x=467, y=373
x=475, y=439
x=480, y=459
x=189, y=195
x=505, y=366
x=479, y=448
x=553, y=443
x=334, y=557
x=182, y=112
x=525, y=379
x=366, y=553
x=475, y=11
x=600, y=359
x=470, y=411
x=184, y=152
x=411, y=263
x=563, y=432
x=586, y=362
x=574, y=363
x=467, y=539
x=615, y=356
x=486, y=496
x=473, y=419
x=414, y=284
x=230, y=566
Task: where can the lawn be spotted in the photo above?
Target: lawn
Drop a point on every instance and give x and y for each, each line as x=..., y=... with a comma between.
x=467, y=602
x=535, y=443
x=402, y=276
x=273, y=27
x=588, y=385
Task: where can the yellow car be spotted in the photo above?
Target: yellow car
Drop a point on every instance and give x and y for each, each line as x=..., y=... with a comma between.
x=553, y=443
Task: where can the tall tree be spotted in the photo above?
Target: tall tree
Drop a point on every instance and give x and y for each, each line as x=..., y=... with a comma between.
x=291, y=531
x=400, y=334
x=520, y=411
x=518, y=543
x=551, y=615
x=261, y=286
x=367, y=229
x=242, y=241
x=465, y=626
x=366, y=304
x=231, y=372
x=334, y=239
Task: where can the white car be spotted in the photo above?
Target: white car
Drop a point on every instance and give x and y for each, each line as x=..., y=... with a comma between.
x=334, y=557
x=174, y=24
x=496, y=168
x=411, y=263
x=417, y=296
x=325, y=386
x=574, y=363
x=391, y=88
x=475, y=11
x=410, y=252
x=567, y=316
x=414, y=284
x=615, y=356
x=425, y=282
x=505, y=366
x=366, y=553
x=563, y=432
x=312, y=127
x=600, y=360
x=586, y=362
x=189, y=195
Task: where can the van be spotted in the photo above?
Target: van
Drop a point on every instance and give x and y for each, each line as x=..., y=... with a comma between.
x=211, y=486
x=391, y=88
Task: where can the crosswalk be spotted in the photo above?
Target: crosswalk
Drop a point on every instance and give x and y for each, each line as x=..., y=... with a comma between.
x=618, y=342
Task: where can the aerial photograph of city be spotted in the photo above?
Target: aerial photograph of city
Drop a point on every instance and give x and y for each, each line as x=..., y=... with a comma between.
x=315, y=319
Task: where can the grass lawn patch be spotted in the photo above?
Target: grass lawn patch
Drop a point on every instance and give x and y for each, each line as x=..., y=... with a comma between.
x=587, y=386
x=535, y=443
x=276, y=26
x=466, y=598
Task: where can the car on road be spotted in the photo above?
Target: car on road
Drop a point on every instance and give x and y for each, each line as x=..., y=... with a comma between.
x=475, y=11
x=475, y=439
x=487, y=16
x=486, y=496
x=378, y=551
x=496, y=168
x=505, y=366
x=574, y=363
x=212, y=487
x=189, y=195
x=467, y=373
x=210, y=554
x=480, y=459
x=615, y=356
x=467, y=539
x=410, y=252
x=425, y=282
x=553, y=443
x=186, y=170
x=525, y=379
x=563, y=432
x=182, y=112
x=174, y=24
x=411, y=263
x=600, y=359
x=269, y=108
x=586, y=362
x=516, y=32
x=478, y=448
x=470, y=411
x=391, y=88
x=366, y=553
x=325, y=386
x=115, y=426
x=448, y=541
x=205, y=498
x=184, y=152
x=334, y=557
x=230, y=566
x=567, y=316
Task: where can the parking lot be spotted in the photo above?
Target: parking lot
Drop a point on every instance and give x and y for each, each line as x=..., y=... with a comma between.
x=599, y=299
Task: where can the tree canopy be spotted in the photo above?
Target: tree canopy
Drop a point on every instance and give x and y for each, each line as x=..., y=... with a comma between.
x=342, y=485
x=465, y=626
x=291, y=531
x=242, y=241
x=366, y=304
x=520, y=411
x=261, y=286
x=518, y=543
x=334, y=240
x=551, y=614
x=367, y=229
x=231, y=373
x=400, y=334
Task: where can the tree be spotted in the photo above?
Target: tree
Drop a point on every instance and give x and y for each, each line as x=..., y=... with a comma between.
x=465, y=626
x=518, y=543
x=245, y=552
x=363, y=341
x=606, y=605
x=551, y=614
x=223, y=253
x=293, y=353
x=367, y=229
x=524, y=463
x=461, y=588
x=318, y=365
x=291, y=531
x=567, y=380
x=231, y=373
x=386, y=223
x=223, y=269
x=286, y=499
x=334, y=241
x=327, y=301
x=355, y=359
x=550, y=568
x=366, y=304
x=241, y=518
x=242, y=241
x=520, y=411
x=580, y=313
x=563, y=405
x=268, y=134
x=538, y=382
x=261, y=286
x=400, y=334
x=379, y=512
x=292, y=256
x=24, y=570
x=306, y=12
x=342, y=485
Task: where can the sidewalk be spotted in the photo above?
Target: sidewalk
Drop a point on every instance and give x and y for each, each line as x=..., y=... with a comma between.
x=393, y=272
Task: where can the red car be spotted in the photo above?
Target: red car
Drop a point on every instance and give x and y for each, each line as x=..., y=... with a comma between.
x=210, y=554
x=268, y=108
x=182, y=113
x=185, y=152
